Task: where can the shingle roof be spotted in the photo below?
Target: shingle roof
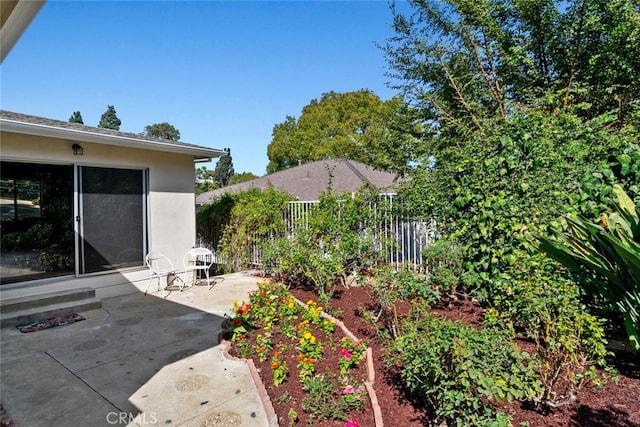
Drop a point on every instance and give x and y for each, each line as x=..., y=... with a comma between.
x=82, y=131
x=308, y=181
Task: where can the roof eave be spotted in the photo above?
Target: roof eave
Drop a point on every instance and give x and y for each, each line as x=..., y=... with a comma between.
x=201, y=154
x=19, y=15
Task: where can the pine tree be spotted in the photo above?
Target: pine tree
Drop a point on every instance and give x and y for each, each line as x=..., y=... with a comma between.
x=109, y=119
x=76, y=117
x=224, y=169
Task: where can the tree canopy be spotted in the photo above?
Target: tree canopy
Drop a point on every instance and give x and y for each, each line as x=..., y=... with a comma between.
x=76, y=117
x=109, y=119
x=162, y=130
x=462, y=61
x=353, y=125
x=237, y=178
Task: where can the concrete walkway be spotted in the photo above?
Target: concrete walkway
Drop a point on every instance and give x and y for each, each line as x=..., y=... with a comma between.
x=138, y=361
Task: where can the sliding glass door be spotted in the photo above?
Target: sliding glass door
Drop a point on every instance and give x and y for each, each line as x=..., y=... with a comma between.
x=112, y=218
x=41, y=216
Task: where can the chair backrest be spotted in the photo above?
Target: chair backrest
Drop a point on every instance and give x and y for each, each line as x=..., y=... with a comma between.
x=198, y=256
x=158, y=262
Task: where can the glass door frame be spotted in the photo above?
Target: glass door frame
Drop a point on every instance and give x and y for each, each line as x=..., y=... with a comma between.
x=78, y=222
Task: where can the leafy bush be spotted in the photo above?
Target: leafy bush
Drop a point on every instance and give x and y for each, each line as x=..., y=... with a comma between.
x=241, y=221
x=389, y=287
x=445, y=263
x=595, y=191
x=536, y=300
x=489, y=191
x=460, y=370
x=336, y=241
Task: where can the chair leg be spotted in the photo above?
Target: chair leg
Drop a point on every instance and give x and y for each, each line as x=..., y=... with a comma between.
x=152, y=277
x=148, y=285
x=181, y=284
x=206, y=273
x=184, y=278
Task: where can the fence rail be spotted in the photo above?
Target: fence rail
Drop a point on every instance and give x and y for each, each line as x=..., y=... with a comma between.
x=404, y=239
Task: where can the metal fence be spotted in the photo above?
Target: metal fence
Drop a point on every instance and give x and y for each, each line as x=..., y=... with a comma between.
x=401, y=239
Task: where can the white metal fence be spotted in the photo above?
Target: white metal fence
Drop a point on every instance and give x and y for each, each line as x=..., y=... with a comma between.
x=403, y=240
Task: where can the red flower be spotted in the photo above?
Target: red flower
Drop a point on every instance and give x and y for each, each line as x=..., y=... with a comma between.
x=345, y=353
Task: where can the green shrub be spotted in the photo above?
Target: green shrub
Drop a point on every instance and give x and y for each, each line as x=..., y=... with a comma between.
x=390, y=287
x=536, y=300
x=242, y=221
x=461, y=370
x=334, y=243
x=444, y=260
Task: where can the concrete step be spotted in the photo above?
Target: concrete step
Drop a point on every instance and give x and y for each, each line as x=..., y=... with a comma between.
x=32, y=308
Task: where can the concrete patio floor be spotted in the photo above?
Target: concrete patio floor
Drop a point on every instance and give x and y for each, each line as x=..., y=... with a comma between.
x=138, y=361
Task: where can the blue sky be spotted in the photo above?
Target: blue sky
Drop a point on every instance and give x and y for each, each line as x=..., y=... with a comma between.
x=222, y=72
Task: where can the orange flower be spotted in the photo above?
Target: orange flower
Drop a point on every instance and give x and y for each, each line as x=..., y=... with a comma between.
x=275, y=364
x=300, y=356
x=276, y=353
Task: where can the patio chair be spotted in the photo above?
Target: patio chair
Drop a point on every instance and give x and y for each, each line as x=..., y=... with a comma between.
x=196, y=261
x=160, y=266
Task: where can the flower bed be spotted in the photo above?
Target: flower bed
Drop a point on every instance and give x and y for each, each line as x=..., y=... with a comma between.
x=316, y=369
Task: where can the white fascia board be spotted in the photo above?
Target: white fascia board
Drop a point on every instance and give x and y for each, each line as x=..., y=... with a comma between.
x=201, y=154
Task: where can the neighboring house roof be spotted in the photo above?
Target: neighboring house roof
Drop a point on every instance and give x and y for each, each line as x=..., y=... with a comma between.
x=308, y=181
x=40, y=126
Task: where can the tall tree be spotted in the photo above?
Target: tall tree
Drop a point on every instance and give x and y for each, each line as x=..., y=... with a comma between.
x=516, y=110
x=76, y=117
x=353, y=125
x=224, y=169
x=463, y=61
x=109, y=119
x=162, y=130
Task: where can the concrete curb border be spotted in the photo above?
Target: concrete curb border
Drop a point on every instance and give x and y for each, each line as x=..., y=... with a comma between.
x=272, y=418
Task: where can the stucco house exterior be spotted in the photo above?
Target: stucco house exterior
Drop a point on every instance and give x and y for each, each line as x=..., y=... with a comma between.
x=82, y=206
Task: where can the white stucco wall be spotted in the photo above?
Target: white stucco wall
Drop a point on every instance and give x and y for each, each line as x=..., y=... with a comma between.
x=171, y=198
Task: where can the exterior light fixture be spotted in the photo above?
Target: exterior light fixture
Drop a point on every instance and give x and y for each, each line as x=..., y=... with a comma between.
x=77, y=149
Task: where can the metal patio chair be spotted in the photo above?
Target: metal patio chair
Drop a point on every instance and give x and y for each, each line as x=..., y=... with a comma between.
x=196, y=261
x=161, y=266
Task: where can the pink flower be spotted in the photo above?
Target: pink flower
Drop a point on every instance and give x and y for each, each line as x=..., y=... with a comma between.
x=345, y=353
x=345, y=381
x=348, y=390
x=353, y=423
